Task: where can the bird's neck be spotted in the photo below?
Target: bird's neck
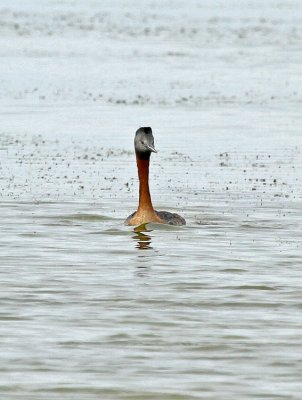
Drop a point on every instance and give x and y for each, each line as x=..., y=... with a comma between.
x=145, y=203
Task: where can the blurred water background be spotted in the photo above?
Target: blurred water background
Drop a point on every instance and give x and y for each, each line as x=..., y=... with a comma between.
x=91, y=309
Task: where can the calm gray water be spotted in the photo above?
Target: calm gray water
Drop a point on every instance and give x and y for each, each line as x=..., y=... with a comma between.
x=93, y=309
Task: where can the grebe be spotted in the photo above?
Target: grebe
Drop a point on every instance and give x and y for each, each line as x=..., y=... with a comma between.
x=144, y=146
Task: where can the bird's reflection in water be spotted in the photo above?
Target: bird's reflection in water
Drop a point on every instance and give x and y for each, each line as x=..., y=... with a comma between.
x=142, y=238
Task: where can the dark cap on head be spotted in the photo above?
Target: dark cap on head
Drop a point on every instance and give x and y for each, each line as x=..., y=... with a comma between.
x=144, y=129
x=144, y=141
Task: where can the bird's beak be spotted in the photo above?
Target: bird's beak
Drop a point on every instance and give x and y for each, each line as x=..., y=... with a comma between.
x=151, y=148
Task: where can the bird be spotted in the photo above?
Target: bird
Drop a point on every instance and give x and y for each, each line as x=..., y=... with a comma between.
x=145, y=213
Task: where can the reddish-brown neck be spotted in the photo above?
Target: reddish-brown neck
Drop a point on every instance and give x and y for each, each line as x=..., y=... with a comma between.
x=145, y=202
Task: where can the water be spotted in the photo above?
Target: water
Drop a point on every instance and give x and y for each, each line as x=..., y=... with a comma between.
x=93, y=309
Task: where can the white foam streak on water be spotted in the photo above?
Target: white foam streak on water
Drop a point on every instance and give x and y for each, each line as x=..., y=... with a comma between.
x=91, y=309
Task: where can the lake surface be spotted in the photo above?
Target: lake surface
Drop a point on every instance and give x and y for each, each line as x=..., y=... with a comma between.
x=93, y=309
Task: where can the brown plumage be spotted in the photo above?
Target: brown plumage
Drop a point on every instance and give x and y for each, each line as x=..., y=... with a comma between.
x=144, y=145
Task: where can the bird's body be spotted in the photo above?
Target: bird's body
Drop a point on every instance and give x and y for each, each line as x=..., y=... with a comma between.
x=144, y=145
x=161, y=217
